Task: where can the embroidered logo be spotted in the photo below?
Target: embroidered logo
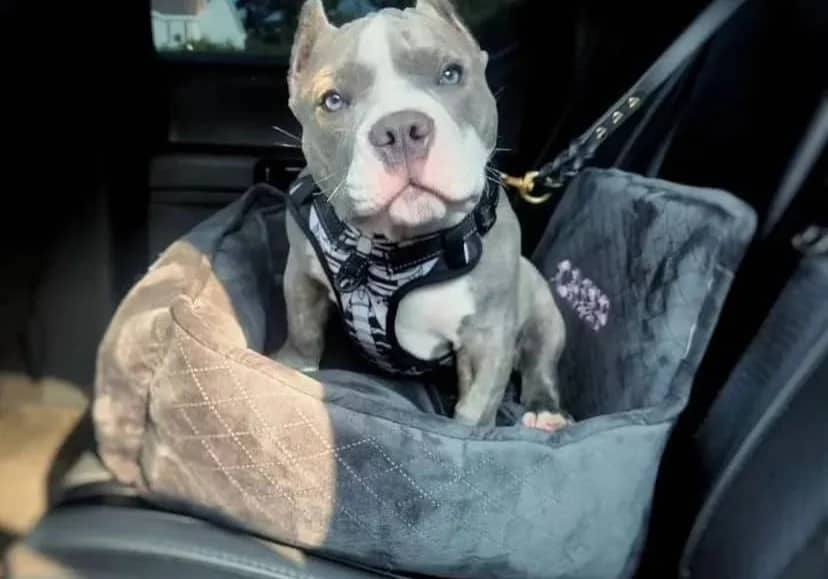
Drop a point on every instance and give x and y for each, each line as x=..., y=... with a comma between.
x=589, y=302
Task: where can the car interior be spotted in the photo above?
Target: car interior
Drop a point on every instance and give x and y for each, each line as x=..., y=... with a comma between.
x=120, y=144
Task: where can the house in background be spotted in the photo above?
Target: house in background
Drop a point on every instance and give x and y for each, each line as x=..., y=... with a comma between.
x=177, y=24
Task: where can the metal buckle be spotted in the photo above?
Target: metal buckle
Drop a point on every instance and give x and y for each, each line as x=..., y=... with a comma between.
x=526, y=185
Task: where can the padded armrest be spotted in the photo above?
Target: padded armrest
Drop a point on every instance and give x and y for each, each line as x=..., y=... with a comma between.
x=106, y=541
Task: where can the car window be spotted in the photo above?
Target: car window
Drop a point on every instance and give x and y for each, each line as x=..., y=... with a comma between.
x=264, y=28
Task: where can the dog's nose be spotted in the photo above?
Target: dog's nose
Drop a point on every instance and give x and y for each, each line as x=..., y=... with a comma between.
x=402, y=136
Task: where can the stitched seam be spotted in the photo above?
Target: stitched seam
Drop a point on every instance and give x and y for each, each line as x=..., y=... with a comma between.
x=251, y=432
x=235, y=439
x=423, y=531
x=294, y=461
x=543, y=444
x=230, y=400
x=202, y=370
x=278, y=491
x=407, y=523
x=398, y=466
x=215, y=458
x=487, y=499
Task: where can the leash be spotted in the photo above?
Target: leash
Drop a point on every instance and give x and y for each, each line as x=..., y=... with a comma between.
x=539, y=186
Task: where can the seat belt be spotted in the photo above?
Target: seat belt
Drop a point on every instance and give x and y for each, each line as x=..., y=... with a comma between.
x=795, y=335
x=795, y=339
x=803, y=162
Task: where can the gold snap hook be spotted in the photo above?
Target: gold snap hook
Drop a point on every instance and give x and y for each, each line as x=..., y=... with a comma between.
x=524, y=187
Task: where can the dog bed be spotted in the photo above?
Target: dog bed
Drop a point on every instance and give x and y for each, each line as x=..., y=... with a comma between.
x=359, y=467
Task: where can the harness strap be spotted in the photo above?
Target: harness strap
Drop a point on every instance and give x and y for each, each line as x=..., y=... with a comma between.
x=370, y=276
x=400, y=256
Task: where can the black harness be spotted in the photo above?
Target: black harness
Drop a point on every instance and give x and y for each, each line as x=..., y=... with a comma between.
x=370, y=276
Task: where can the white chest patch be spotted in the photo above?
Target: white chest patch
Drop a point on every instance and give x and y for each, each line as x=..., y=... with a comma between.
x=428, y=319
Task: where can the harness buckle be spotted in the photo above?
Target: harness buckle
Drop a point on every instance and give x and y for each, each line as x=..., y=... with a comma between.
x=354, y=272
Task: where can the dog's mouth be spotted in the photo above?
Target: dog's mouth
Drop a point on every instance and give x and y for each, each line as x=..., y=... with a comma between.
x=415, y=188
x=413, y=206
x=416, y=205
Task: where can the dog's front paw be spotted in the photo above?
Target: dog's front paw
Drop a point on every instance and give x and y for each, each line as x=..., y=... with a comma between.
x=290, y=357
x=548, y=421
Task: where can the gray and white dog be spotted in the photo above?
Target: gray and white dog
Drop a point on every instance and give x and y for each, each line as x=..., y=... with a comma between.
x=398, y=127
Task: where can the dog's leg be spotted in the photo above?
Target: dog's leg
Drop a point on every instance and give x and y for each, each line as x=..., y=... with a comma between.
x=541, y=342
x=484, y=364
x=308, y=308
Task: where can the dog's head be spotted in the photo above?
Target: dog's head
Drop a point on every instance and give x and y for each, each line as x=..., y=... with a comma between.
x=398, y=120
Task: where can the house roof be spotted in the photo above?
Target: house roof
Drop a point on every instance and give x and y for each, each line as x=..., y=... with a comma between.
x=179, y=7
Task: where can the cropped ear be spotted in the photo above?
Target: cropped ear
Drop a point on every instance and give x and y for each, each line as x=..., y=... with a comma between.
x=313, y=24
x=445, y=9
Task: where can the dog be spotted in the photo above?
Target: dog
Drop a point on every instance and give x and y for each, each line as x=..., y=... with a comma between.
x=397, y=220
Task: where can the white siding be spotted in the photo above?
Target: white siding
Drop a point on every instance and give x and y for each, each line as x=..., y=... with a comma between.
x=220, y=23
x=174, y=31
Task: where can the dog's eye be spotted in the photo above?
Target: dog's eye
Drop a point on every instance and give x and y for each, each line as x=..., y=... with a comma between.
x=332, y=101
x=451, y=74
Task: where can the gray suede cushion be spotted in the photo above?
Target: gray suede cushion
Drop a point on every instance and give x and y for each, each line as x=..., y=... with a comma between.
x=359, y=467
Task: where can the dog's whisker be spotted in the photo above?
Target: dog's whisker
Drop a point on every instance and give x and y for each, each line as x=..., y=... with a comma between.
x=339, y=186
x=493, y=172
x=339, y=150
x=494, y=176
x=286, y=133
x=337, y=190
x=324, y=180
